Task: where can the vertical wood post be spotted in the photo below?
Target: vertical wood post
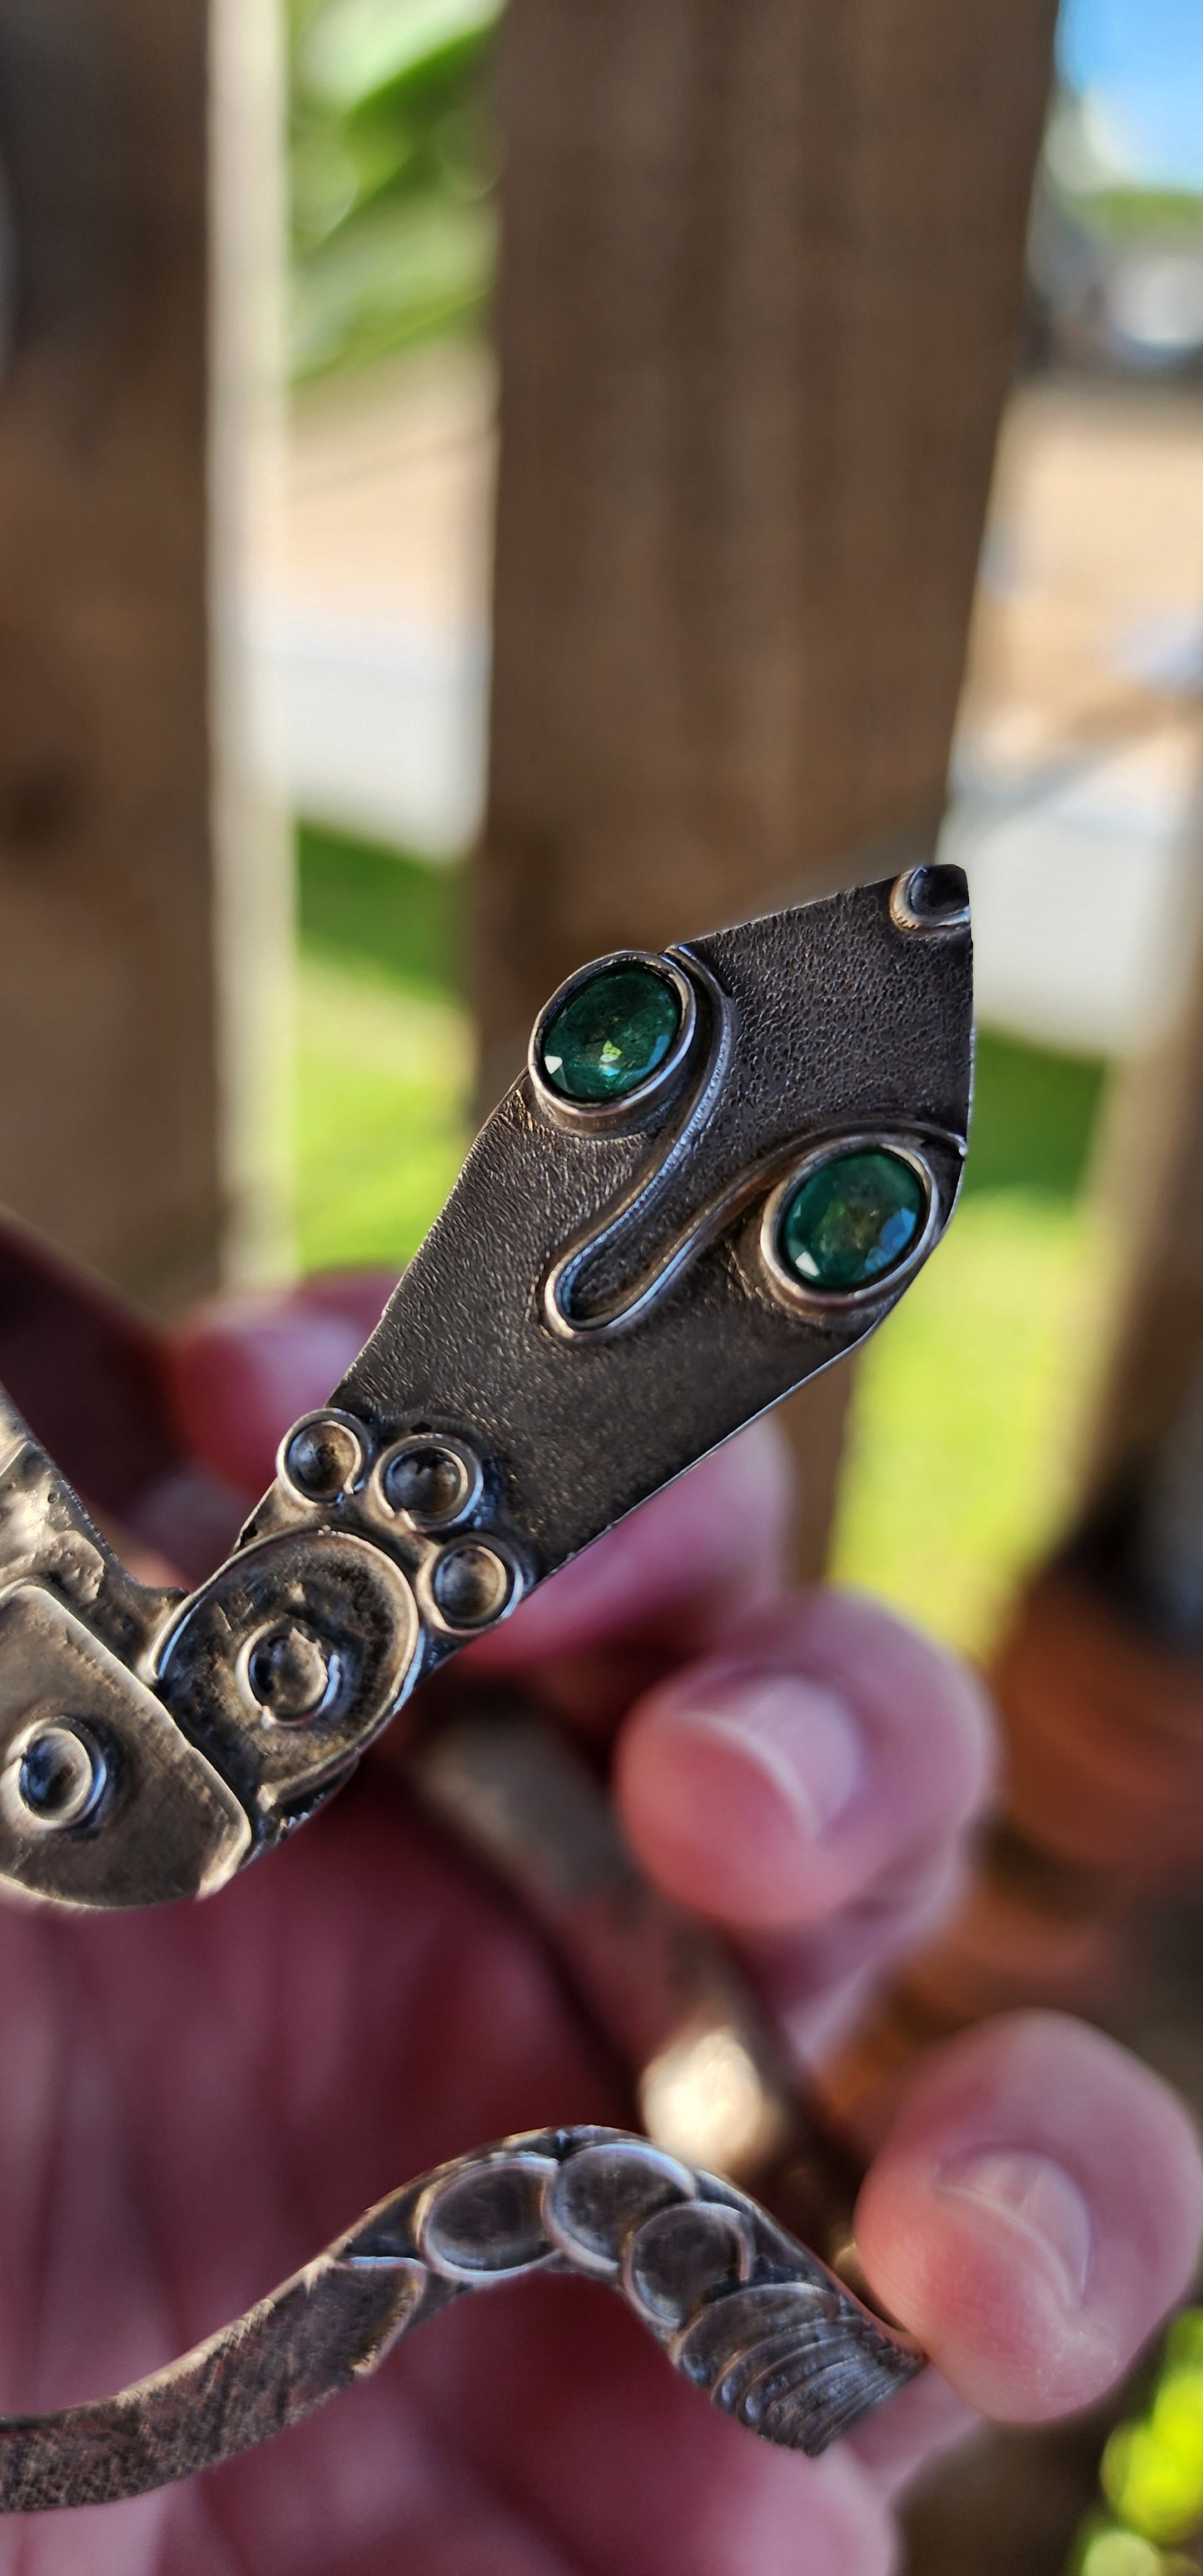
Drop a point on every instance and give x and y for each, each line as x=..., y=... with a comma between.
x=1151, y=1190
x=117, y=1091
x=250, y=847
x=760, y=285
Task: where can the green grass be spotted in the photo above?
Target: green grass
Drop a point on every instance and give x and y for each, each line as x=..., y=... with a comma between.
x=963, y=1438
x=1034, y=1115
x=964, y=1432
x=385, y=1054
x=380, y=912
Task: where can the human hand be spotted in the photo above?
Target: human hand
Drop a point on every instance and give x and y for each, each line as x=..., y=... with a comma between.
x=197, y=2100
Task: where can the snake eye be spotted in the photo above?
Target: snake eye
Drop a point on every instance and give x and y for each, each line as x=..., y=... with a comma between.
x=849, y=1223
x=614, y=1038
x=852, y=1221
x=612, y=1034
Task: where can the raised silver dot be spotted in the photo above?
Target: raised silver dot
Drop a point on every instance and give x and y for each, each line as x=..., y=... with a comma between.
x=432, y=1481
x=60, y=1777
x=471, y=1584
x=290, y=1672
x=487, y=2223
x=685, y=2254
x=321, y=1457
x=601, y=2195
x=931, y=898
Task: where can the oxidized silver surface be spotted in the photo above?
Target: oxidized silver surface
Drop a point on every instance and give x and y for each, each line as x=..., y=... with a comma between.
x=600, y=1303
x=756, y=2322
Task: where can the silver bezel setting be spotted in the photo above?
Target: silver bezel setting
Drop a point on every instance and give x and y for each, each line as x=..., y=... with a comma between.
x=827, y=1302
x=260, y=1709
x=325, y=1413
x=429, y=1605
x=429, y=1524
x=925, y=925
x=590, y=1116
x=84, y=1802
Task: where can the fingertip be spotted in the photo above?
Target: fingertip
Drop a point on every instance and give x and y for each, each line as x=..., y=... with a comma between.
x=1034, y=2213
x=690, y=1558
x=241, y=1369
x=726, y=1793
x=926, y=1704
x=822, y=1756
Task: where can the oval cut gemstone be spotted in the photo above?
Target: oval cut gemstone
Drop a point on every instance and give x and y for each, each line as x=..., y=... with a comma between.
x=612, y=1034
x=852, y=1222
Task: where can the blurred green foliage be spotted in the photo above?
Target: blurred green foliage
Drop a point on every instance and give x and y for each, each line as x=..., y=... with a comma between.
x=398, y=919
x=392, y=162
x=1034, y=1114
x=1125, y=214
x=961, y=1452
x=385, y=1050
x=968, y=1404
x=1152, y=2473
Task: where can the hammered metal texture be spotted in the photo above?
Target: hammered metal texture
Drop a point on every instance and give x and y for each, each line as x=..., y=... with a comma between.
x=841, y=1022
x=598, y=1306
x=744, y=2312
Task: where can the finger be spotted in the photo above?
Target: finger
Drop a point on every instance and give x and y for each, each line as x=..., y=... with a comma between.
x=921, y=2422
x=241, y=1369
x=1034, y=2212
x=819, y=1768
x=708, y=1546
x=693, y=2492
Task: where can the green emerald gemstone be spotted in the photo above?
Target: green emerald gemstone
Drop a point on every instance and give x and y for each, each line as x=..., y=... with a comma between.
x=852, y=1221
x=611, y=1034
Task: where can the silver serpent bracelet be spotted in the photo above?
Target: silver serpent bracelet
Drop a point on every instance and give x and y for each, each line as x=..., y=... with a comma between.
x=717, y=1174
x=743, y=2311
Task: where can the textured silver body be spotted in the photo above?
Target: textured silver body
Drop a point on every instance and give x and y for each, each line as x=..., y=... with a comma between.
x=602, y=1302
x=753, y=2320
x=598, y=1305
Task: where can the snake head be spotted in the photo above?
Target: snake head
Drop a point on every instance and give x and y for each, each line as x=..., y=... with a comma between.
x=718, y=1172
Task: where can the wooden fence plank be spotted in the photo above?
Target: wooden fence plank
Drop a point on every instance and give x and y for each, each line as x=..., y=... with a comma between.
x=761, y=278
x=113, y=1092
x=1150, y=1186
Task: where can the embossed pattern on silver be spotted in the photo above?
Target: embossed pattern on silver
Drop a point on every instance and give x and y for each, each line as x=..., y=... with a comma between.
x=756, y=2322
x=599, y=1304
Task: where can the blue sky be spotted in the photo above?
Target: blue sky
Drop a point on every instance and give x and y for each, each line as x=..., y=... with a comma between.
x=1141, y=62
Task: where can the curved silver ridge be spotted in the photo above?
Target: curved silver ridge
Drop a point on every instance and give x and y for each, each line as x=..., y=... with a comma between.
x=774, y=1176
x=650, y=1180
x=739, y=2307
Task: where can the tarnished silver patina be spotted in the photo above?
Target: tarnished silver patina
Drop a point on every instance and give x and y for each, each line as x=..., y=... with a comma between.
x=604, y=1299
x=756, y=2322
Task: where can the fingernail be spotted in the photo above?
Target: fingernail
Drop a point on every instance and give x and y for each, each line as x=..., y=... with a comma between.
x=801, y=1735
x=1036, y=2198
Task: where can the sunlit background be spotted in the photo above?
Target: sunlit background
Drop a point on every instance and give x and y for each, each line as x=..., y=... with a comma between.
x=1074, y=798
x=1075, y=768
